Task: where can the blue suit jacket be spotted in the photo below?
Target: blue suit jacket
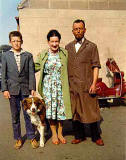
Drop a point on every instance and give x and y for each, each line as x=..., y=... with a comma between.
x=15, y=81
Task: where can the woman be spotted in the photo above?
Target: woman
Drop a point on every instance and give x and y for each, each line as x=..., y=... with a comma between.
x=53, y=85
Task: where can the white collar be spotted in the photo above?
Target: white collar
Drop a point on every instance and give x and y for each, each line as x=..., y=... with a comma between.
x=22, y=51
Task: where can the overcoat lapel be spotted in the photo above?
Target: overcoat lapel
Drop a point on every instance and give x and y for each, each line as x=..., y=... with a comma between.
x=23, y=57
x=62, y=56
x=73, y=47
x=83, y=46
x=44, y=56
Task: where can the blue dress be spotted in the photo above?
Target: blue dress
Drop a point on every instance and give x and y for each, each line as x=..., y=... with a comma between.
x=52, y=88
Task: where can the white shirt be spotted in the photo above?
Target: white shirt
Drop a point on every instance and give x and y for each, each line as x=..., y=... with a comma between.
x=17, y=57
x=78, y=45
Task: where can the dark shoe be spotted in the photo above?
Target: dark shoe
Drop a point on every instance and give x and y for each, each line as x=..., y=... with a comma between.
x=76, y=141
x=99, y=142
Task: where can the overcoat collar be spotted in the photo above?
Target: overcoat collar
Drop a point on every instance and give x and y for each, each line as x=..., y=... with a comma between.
x=45, y=53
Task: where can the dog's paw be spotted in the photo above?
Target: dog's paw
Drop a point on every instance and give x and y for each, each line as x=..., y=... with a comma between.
x=41, y=144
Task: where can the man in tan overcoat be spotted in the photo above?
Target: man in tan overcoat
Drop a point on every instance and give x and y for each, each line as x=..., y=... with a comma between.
x=83, y=69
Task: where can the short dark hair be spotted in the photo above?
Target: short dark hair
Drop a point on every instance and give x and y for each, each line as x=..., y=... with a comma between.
x=53, y=33
x=78, y=21
x=15, y=34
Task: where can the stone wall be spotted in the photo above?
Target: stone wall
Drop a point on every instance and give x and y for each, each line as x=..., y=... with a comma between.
x=106, y=28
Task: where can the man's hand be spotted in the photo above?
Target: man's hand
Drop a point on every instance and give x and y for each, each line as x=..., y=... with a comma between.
x=92, y=89
x=6, y=94
x=33, y=93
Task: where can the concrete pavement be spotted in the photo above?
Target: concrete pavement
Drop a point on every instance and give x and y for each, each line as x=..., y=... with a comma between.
x=114, y=136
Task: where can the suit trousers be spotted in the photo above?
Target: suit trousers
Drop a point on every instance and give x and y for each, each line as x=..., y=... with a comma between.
x=79, y=132
x=15, y=107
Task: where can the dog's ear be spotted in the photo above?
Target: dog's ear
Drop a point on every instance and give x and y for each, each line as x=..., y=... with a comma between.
x=40, y=103
x=42, y=109
x=42, y=112
x=24, y=103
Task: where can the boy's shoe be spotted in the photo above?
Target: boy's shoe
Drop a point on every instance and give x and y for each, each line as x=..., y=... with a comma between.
x=34, y=143
x=18, y=144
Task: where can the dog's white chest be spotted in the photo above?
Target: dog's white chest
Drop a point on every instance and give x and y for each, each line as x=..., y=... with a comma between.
x=35, y=120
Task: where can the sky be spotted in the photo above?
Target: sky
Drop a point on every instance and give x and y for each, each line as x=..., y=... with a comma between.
x=8, y=12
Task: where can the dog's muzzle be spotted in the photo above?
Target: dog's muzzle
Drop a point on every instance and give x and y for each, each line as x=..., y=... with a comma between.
x=33, y=110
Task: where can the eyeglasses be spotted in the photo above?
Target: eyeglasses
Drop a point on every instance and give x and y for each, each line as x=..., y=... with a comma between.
x=76, y=29
x=16, y=41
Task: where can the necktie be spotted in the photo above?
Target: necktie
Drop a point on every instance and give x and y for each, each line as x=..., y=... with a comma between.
x=80, y=41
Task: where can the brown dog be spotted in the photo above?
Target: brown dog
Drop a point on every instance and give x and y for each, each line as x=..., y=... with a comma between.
x=35, y=107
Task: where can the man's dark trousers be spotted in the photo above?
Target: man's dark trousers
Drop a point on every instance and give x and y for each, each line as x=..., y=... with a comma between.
x=78, y=128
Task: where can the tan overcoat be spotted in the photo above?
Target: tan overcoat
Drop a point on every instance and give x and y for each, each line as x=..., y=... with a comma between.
x=85, y=108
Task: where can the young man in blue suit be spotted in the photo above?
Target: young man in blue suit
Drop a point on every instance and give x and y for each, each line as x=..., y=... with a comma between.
x=18, y=82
